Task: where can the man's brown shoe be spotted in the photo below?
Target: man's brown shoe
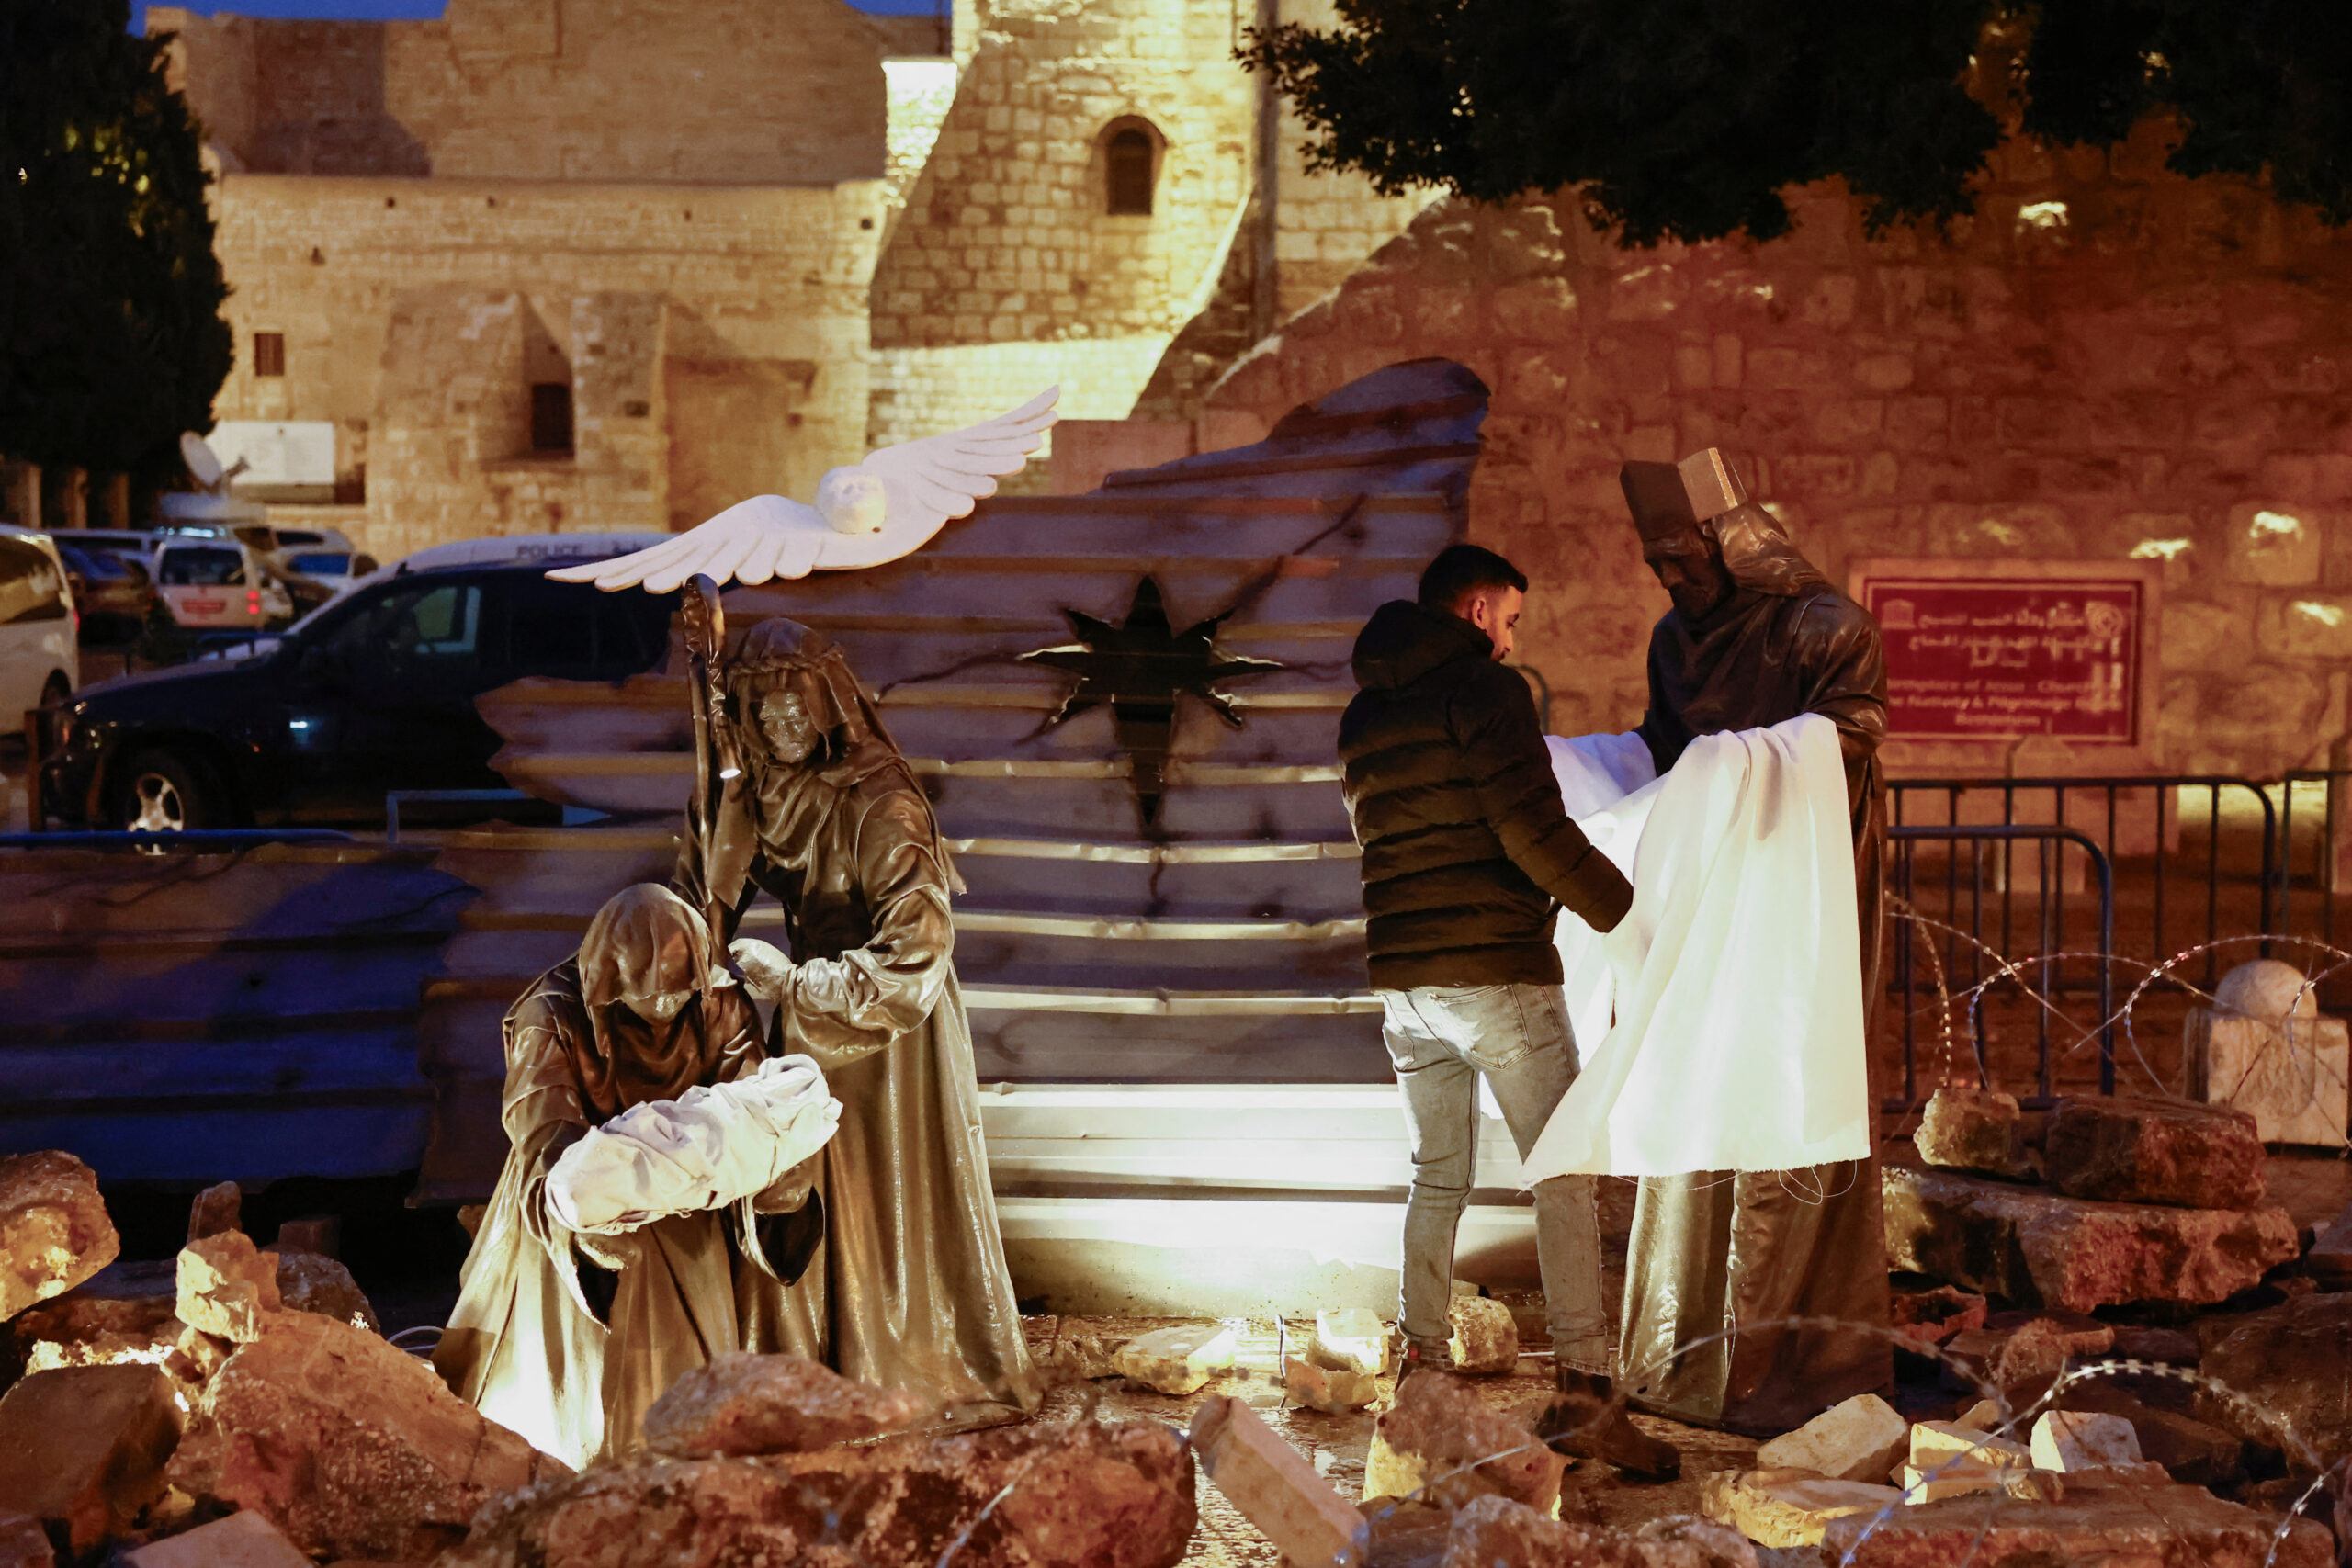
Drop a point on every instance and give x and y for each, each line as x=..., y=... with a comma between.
x=1584, y=1419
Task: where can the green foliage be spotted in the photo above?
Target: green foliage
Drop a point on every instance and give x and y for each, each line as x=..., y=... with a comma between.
x=111, y=340
x=1683, y=119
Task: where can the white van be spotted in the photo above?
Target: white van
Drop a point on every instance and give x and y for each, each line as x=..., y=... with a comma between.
x=38, y=664
x=214, y=583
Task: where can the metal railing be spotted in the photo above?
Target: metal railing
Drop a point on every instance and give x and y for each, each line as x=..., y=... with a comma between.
x=1964, y=960
x=2154, y=872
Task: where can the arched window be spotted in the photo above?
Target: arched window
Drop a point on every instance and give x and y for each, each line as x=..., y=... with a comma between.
x=1130, y=152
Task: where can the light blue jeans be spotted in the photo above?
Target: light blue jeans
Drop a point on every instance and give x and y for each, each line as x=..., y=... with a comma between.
x=1441, y=1038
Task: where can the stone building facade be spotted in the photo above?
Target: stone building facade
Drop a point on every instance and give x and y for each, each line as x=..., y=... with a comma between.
x=619, y=265
x=2107, y=363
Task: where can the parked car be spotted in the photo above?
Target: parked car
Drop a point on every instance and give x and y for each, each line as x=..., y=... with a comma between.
x=112, y=589
x=40, y=665
x=205, y=583
x=374, y=693
x=316, y=574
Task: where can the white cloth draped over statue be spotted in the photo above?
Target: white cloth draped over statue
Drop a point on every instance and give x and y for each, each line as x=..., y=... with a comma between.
x=1721, y=1023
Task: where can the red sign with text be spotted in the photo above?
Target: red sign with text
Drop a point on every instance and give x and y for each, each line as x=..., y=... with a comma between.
x=1989, y=659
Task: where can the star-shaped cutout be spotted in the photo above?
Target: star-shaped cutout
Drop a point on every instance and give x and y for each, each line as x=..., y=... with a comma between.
x=1140, y=667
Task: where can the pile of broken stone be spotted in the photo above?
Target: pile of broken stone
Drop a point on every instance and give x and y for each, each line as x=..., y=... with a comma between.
x=2157, y=1427
x=237, y=1408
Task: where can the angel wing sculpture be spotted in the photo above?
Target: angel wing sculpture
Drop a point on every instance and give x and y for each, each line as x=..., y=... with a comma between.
x=872, y=511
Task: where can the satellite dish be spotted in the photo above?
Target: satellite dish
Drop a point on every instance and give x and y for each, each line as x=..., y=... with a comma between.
x=202, y=466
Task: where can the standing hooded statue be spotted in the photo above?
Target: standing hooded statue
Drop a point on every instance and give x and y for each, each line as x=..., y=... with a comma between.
x=1756, y=637
x=567, y=1336
x=909, y=1290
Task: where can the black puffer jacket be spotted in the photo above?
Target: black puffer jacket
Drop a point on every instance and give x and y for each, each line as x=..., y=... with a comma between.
x=1465, y=843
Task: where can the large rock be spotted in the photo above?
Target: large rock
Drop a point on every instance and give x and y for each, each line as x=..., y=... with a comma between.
x=24, y=1544
x=1965, y=1128
x=2040, y=1249
x=2192, y=1452
x=2173, y=1527
x=1494, y=1532
x=1786, y=1508
x=349, y=1446
x=2286, y=1069
x=227, y=1286
x=83, y=1448
x=1440, y=1434
x=1485, y=1340
x=1862, y=1439
x=126, y=1311
x=54, y=1232
x=311, y=1281
x=740, y=1404
x=241, y=1541
x=2294, y=1364
x=1113, y=1494
x=2141, y=1149
x=1177, y=1361
x=218, y=1209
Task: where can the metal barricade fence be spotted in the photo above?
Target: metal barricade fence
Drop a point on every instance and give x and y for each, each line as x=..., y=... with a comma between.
x=1961, y=957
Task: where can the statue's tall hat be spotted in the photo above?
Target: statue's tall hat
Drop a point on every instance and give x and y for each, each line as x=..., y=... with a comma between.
x=1668, y=499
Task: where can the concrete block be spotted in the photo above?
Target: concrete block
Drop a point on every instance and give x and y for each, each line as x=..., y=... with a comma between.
x=1485, y=1340
x=1177, y=1361
x=1274, y=1487
x=2081, y=1440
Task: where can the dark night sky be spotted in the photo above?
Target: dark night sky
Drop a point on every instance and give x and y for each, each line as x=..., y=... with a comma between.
x=416, y=8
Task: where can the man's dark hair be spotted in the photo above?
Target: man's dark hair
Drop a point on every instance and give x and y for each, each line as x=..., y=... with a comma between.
x=1460, y=570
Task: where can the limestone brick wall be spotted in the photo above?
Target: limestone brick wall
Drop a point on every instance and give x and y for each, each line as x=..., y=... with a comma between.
x=734, y=92
x=2106, y=362
x=922, y=392
x=714, y=337
x=1005, y=238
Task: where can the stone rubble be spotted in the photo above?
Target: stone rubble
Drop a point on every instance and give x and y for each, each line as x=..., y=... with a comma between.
x=227, y=1287
x=218, y=1209
x=1078, y=1352
x=1439, y=1434
x=2177, y=1527
x=2143, y=1149
x=1091, y=1495
x=2040, y=1249
x=54, y=1232
x=24, y=1544
x=2264, y=1049
x=1177, y=1361
x=1335, y=1391
x=1784, y=1508
x=349, y=1446
x=1494, y=1532
x=2294, y=1363
x=1485, y=1340
x=743, y=1404
x=83, y=1448
x=1356, y=1339
x=1981, y=1129
x=1862, y=1439
x=244, y=1539
x=311, y=1281
x=2072, y=1440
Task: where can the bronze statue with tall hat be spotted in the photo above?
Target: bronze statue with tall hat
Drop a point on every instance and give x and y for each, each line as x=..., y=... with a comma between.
x=803, y=794
x=1756, y=637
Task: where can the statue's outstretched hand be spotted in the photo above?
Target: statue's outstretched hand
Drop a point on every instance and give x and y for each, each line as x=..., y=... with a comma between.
x=765, y=969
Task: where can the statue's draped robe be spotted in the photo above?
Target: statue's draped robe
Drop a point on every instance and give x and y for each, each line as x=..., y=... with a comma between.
x=1716, y=1255
x=910, y=1289
x=543, y=1339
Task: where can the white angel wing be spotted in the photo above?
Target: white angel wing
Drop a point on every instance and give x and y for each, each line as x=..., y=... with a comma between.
x=939, y=477
x=752, y=541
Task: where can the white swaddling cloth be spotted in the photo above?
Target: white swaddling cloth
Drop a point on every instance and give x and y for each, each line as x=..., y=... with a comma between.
x=1721, y=1023
x=712, y=1146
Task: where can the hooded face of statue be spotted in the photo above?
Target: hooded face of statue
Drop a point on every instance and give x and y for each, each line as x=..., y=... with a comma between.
x=786, y=726
x=647, y=960
x=1689, y=567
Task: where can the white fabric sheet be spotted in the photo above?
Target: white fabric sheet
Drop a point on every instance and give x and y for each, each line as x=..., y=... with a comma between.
x=710, y=1148
x=1728, y=1006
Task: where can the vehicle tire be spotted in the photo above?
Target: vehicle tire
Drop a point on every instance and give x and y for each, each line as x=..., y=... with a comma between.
x=157, y=792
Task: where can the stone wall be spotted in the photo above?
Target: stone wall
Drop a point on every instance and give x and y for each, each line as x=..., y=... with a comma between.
x=714, y=339
x=2107, y=363
x=730, y=92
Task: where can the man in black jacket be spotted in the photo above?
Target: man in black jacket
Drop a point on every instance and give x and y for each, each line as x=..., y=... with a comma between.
x=1466, y=852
